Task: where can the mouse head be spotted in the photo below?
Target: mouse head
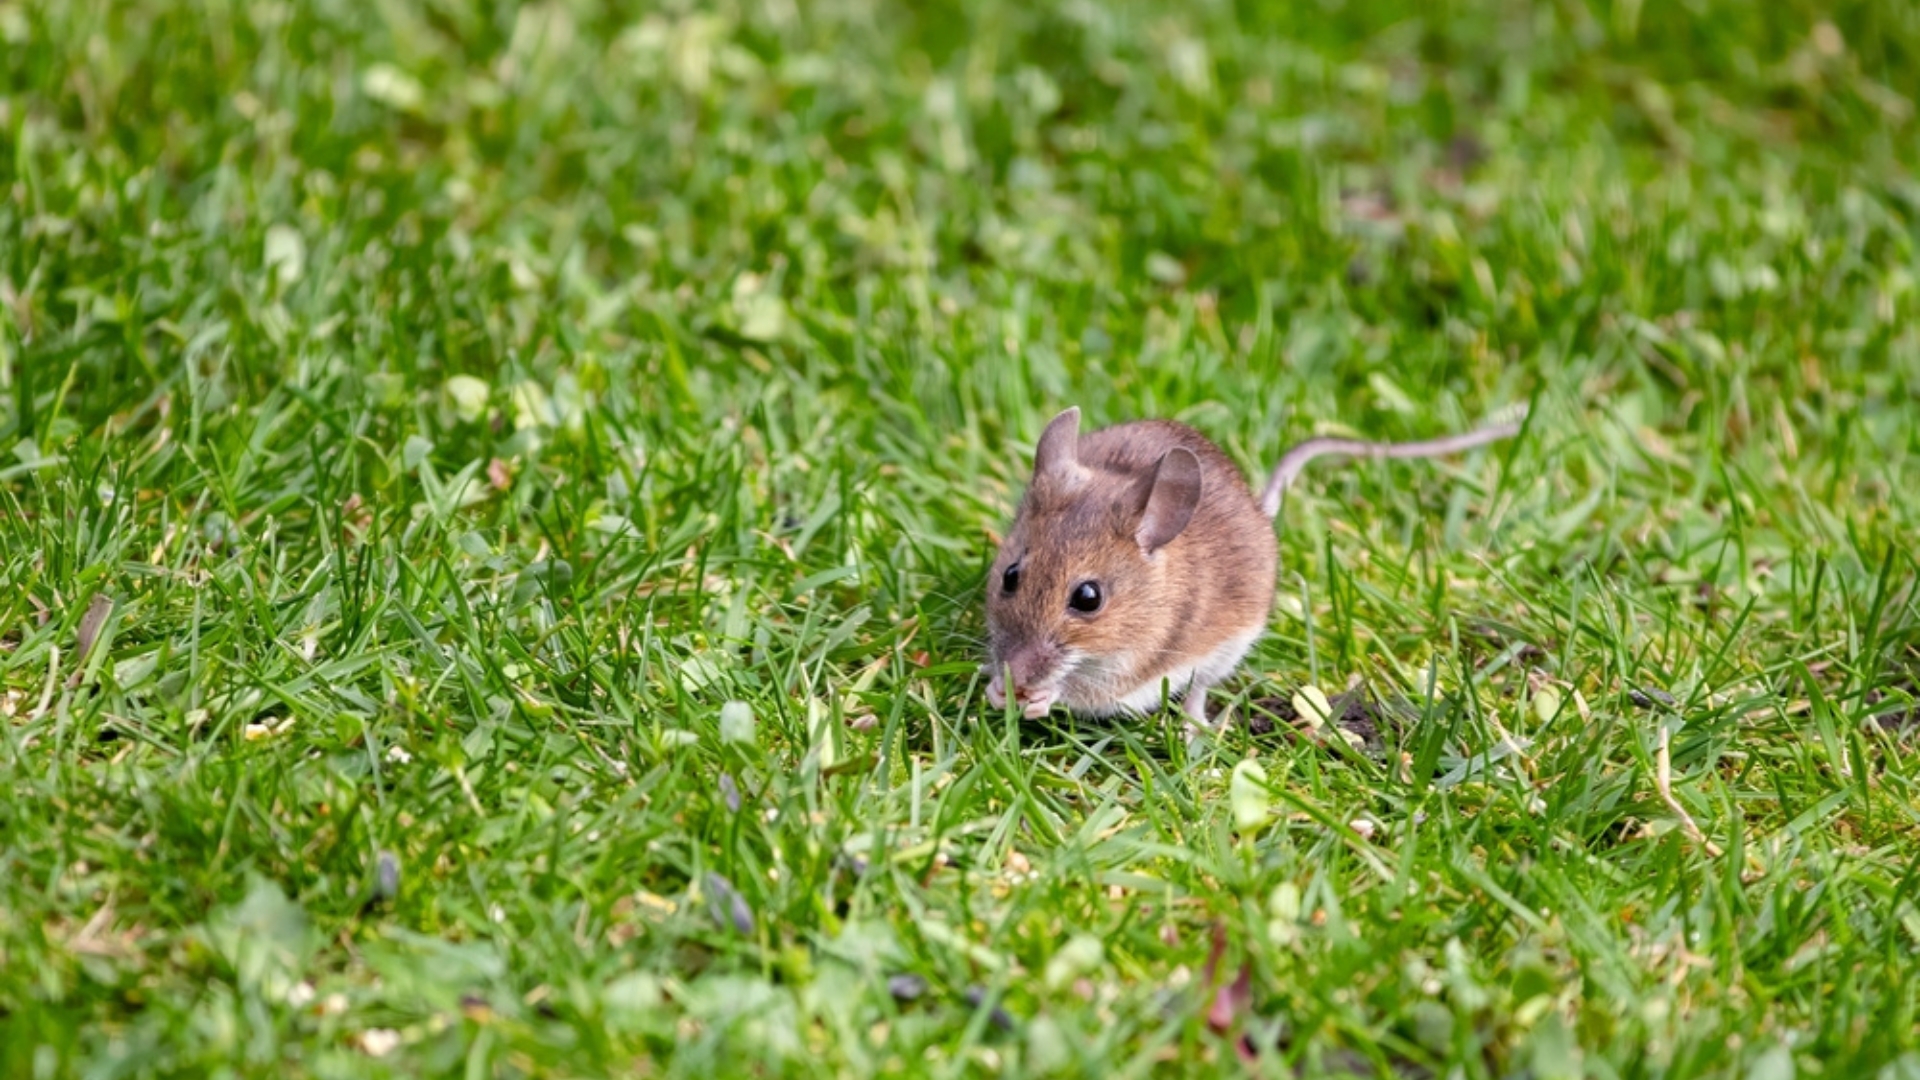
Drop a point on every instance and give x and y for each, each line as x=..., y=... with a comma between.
x=1084, y=574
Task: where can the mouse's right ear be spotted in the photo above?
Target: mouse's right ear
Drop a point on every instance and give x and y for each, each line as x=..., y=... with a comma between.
x=1171, y=501
x=1057, y=457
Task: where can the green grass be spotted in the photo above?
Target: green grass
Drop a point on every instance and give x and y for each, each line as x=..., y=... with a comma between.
x=420, y=420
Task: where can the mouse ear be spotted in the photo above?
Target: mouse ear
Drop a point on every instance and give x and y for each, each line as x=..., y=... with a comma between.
x=1171, y=502
x=1057, y=454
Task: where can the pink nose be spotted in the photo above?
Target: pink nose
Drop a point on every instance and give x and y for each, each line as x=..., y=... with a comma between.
x=1033, y=703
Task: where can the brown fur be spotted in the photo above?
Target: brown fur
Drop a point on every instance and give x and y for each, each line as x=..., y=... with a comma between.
x=1183, y=552
x=1164, y=610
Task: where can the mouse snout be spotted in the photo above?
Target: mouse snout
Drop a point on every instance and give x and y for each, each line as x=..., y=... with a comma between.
x=1033, y=668
x=1034, y=702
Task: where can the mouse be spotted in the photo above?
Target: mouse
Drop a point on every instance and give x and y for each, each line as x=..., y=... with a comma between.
x=1140, y=566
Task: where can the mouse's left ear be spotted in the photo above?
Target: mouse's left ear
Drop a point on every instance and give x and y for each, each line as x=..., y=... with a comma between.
x=1057, y=456
x=1171, y=501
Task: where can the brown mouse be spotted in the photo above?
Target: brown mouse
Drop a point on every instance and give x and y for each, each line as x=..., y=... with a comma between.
x=1140, y=566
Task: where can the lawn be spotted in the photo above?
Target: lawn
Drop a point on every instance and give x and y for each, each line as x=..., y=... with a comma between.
x=495, y=504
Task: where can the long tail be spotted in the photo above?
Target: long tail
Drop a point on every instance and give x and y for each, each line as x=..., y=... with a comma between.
x=1295, y=460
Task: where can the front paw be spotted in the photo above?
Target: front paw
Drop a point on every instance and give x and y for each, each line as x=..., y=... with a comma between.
x=996, y=690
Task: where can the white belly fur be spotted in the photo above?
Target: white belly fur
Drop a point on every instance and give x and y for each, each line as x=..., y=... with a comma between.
x=1212, y=667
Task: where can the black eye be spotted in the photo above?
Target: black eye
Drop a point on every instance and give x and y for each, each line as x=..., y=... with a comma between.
x=1010, y=580
x=1085, y=597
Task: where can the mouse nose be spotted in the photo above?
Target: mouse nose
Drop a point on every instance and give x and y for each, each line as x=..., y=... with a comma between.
x=1027, y=683
x=1033, y=701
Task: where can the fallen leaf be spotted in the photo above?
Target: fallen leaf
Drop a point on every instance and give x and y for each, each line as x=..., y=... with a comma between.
x=1247, y=794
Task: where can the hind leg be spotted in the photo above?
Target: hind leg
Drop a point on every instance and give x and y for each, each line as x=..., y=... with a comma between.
x=1194, y=704
x=1212, y=668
